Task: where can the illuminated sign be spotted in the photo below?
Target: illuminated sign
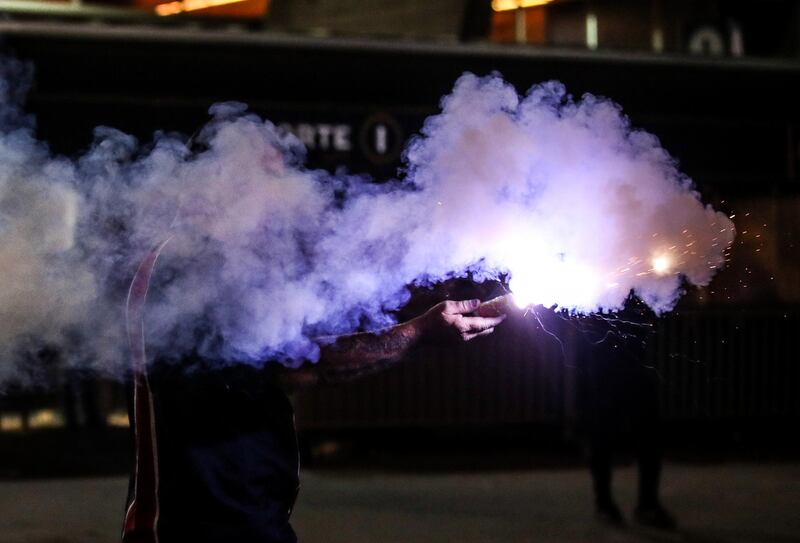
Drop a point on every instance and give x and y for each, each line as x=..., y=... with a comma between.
x=321, y=136
x=378, y=138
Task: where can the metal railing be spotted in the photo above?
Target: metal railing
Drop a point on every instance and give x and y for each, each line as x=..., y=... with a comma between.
x=711, y=365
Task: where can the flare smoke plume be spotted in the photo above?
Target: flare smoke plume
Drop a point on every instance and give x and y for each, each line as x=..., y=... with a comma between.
x=561, y=195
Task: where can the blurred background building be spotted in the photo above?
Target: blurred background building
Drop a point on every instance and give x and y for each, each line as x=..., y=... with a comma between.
x=707, y=27
x=716, y=81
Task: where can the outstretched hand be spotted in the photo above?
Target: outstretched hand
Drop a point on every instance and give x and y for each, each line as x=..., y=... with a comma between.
x=452, y=316
x=348, y=357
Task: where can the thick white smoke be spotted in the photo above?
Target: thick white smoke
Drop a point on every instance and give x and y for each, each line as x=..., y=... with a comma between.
x=45, y=288
x=576, y=205
x=563, y=197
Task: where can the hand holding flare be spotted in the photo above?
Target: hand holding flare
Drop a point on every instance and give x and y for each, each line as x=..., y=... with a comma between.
x=496, y=306
x=463, y=317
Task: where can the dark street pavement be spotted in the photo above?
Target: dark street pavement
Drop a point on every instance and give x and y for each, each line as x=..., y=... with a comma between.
x=719, y=503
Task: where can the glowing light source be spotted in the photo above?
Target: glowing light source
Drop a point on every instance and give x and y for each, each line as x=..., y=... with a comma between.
x=547, y=279
x=11, y=422
x=508, y=5
x=662, y=264
x=173, y=8
x=591, y=31
x=45, y=418
x=117, y=419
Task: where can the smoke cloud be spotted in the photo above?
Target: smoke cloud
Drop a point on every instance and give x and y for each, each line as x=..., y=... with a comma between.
x=561, y=196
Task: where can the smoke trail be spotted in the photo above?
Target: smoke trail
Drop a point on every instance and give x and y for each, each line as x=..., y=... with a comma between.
x=264, y=255
x=44, y=287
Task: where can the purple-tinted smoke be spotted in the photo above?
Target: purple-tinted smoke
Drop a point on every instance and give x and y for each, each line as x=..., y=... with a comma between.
x=265, y=255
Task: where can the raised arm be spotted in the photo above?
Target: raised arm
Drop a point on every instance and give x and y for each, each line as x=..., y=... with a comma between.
x=345, y=358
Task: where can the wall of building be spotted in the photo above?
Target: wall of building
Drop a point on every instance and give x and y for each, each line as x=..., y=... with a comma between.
x=412, y=18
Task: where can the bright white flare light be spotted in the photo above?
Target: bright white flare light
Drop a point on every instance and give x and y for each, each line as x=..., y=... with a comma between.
x=554, y=283
x=662, y=264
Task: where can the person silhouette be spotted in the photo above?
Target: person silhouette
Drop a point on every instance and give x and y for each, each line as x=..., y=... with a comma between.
x=619, y=390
